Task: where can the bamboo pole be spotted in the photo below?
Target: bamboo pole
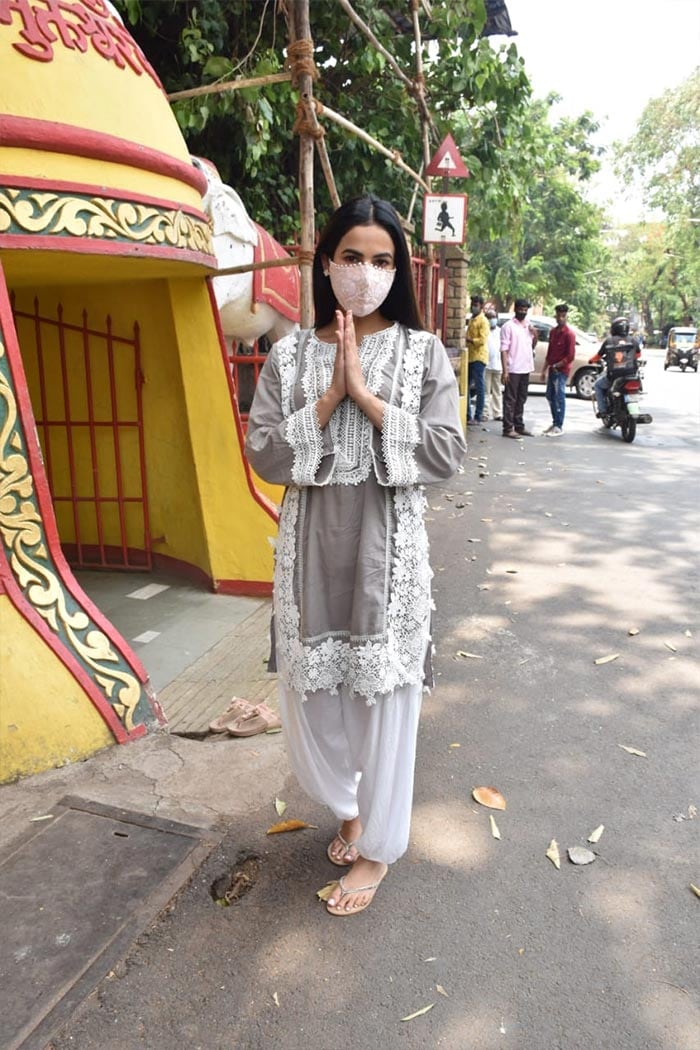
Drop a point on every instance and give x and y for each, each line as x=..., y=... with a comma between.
x=415, y=90
x=420, y=81
x=230, y=85
x=265, y=264
x=354, y=17
x=391, y=154
x=300, y=29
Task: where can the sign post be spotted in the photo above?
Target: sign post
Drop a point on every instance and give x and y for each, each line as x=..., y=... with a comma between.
x=445, y=214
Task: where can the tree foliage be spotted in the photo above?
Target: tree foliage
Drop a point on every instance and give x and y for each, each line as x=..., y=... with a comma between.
x=664, y=155
x=549, y=247
x=248, y=134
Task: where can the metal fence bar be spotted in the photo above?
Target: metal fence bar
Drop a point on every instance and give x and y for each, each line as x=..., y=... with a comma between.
x=115, y=438
x=93, y=440
x=69, y=431
x=139, y=381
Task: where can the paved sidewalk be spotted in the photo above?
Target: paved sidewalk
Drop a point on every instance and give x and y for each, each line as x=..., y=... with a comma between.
x=183, y=773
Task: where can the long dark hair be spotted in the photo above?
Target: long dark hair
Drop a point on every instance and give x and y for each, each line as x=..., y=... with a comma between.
x=400, y=304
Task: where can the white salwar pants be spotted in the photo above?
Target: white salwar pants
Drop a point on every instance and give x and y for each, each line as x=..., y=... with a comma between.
x=358, y=759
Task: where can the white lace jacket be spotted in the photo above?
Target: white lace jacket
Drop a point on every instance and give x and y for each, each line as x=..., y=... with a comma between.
x=352, y=578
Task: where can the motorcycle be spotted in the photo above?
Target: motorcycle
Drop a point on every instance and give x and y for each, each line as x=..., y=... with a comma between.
x=622, y=399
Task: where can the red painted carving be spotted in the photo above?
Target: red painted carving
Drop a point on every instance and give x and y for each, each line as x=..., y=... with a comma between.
x=75, y=25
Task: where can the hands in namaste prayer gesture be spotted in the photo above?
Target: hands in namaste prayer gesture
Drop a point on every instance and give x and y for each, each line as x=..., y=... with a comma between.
x=348, y=380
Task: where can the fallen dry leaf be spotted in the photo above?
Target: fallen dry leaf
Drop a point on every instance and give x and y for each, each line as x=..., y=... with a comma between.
x=606, y=659
x=671, y=647
x=483, y=586
x=473, y=539
x=289, y=825
x=276, y=998
x=632, y=631
x=469, y=656
x=633, y=751
x=494, y=828
x=489, y=796
x=595, y=835
x=580, y=855
x=441, y=990
x=553, y=854
x=418, y=1012
x=513, y=572
x=280, y=807
x=325, y=892
x=695, y=890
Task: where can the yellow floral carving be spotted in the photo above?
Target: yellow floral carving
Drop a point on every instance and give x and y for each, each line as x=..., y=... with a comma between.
x=22, y=534
x=102, y=217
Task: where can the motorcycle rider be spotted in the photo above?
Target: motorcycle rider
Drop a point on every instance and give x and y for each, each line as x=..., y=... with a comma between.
x=619, y=336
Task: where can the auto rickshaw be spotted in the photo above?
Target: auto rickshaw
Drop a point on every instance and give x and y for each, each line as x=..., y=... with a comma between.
x=682, y=349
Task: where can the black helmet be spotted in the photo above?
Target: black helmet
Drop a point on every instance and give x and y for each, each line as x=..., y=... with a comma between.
x=620, y=326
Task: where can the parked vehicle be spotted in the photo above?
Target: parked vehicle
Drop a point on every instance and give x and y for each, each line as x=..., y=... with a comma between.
x=682, y=349
x=582, y=375
x=624, y=369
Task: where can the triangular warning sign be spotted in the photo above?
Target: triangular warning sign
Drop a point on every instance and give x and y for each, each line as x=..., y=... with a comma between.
x=447, y=161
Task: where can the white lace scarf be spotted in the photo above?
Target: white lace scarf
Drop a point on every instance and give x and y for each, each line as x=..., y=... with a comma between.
x=372, y=667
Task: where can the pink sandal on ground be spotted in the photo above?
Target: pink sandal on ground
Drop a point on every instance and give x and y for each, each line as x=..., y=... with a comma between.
x=235, y=709
x=259, y=720
x=348, y=846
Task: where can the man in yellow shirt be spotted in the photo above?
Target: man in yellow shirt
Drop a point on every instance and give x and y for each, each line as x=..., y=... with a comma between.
x=478, y=356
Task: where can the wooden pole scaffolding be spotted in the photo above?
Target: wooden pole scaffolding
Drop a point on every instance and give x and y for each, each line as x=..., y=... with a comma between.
x=425, y=128
x=301, y=51
x=230, y=85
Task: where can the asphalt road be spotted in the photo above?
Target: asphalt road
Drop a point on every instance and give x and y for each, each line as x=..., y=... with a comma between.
x=601, y=538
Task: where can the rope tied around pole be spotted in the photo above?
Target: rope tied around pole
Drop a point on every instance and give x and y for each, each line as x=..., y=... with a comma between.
x=300, y=60
x=305, y=256
x=307, y=110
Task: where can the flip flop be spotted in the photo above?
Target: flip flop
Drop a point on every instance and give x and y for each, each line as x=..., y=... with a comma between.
x=345, y=892
x=348, y=846
x=235, y=709
x=259, y=720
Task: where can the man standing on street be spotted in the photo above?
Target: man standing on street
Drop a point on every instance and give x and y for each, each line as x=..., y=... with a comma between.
x=477, y=347
x=517, y=343
x=557, y=365
x=494, y=395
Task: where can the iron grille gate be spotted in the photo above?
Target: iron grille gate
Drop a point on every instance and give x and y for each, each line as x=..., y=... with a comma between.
x=85, y=385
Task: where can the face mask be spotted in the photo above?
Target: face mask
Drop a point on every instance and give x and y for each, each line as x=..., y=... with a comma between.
x=493, y=322
x=521, y=314
x=360, y=287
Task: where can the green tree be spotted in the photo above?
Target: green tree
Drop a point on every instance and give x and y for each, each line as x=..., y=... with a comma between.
x=664, y=157
x=549, y=247
x=248, y=134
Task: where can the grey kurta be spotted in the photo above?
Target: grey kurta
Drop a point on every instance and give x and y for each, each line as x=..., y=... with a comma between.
x=352, y=579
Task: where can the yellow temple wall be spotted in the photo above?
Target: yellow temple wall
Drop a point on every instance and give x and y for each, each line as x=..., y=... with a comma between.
x=50, y=725
x=200, y=508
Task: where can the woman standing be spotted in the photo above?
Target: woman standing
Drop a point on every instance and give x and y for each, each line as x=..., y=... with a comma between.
x=353, y=417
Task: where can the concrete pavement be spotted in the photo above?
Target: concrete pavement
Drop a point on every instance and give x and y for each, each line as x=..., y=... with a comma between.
x=561, y=547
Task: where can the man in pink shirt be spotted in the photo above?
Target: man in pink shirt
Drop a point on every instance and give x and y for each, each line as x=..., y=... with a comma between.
x=517, y=344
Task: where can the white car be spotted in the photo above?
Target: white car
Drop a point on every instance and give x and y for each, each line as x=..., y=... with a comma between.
x=582, y=375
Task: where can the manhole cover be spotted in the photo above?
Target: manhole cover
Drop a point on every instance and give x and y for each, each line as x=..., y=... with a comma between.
x=76, y=893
